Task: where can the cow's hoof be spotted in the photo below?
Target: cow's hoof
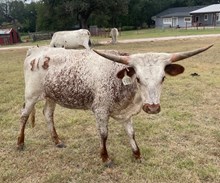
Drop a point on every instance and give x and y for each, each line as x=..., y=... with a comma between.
x=138, y=160
x=60, y=145
x=20, y=147
x=108, y=164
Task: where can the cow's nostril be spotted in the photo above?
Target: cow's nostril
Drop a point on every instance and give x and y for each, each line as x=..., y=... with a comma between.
x=151, y=108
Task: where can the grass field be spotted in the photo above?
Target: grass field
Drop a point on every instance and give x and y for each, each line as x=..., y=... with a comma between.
x=155, y=33
x=149, y=33
x=181, y=144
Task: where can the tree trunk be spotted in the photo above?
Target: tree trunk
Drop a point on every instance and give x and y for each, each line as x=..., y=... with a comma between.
x=83, y=24
x=83, y=19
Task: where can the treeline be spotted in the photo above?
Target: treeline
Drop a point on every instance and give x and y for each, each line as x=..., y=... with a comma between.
x=53, y=15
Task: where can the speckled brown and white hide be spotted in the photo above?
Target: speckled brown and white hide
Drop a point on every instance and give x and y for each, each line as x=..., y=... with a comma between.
x=71, y=39
x=80, y=79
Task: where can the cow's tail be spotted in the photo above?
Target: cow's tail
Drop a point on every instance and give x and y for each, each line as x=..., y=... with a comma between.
x=90, y=43
x=32, y=117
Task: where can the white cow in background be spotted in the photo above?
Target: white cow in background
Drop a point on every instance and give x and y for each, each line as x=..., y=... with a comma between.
x=71, y=39
x=114, y=35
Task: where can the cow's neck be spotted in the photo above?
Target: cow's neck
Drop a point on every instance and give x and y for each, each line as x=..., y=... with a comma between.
x=133, y=106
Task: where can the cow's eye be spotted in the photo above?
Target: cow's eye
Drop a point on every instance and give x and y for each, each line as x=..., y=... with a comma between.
x=163, y=79
x=138, y=80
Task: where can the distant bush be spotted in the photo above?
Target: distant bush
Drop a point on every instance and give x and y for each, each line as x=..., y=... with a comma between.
x=36, y=36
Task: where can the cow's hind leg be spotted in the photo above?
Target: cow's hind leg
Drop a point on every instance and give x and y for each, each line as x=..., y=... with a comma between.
x=27, y=108
x=87, y=44
x=102, y=124
x=49, y=113
x=130, y=131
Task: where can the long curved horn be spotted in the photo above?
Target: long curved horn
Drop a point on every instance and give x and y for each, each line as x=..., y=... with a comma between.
x=119, y=59
x=182, y=55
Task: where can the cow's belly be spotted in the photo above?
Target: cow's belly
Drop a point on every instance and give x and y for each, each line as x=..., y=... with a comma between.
x=71, y=93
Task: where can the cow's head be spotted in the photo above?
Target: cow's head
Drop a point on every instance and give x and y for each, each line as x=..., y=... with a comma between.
x=149, y=69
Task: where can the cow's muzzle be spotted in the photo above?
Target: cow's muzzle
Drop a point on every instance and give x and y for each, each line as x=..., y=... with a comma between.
x=151, y=108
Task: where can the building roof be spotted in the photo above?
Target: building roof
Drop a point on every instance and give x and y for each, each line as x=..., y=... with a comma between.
x=5, y=31
x=215, y=8
x=179, y=11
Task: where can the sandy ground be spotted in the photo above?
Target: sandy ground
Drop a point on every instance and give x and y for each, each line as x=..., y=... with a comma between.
x=15, y=47
x=168, y=38
x=133, y=40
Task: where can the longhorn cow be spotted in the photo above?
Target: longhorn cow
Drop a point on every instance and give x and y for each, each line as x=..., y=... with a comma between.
x=110, y=84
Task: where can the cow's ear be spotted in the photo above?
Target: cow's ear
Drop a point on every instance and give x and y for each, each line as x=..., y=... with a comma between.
x=174, y=69
x=129, y=70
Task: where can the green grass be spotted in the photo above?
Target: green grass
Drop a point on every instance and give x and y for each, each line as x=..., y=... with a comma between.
x=155, y=33
x=180, y=144
x=151, y=33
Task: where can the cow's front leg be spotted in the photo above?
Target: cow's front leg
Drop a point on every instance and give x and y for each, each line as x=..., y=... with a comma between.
x=130, y=131
x=102, y=124
x=49, y=113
